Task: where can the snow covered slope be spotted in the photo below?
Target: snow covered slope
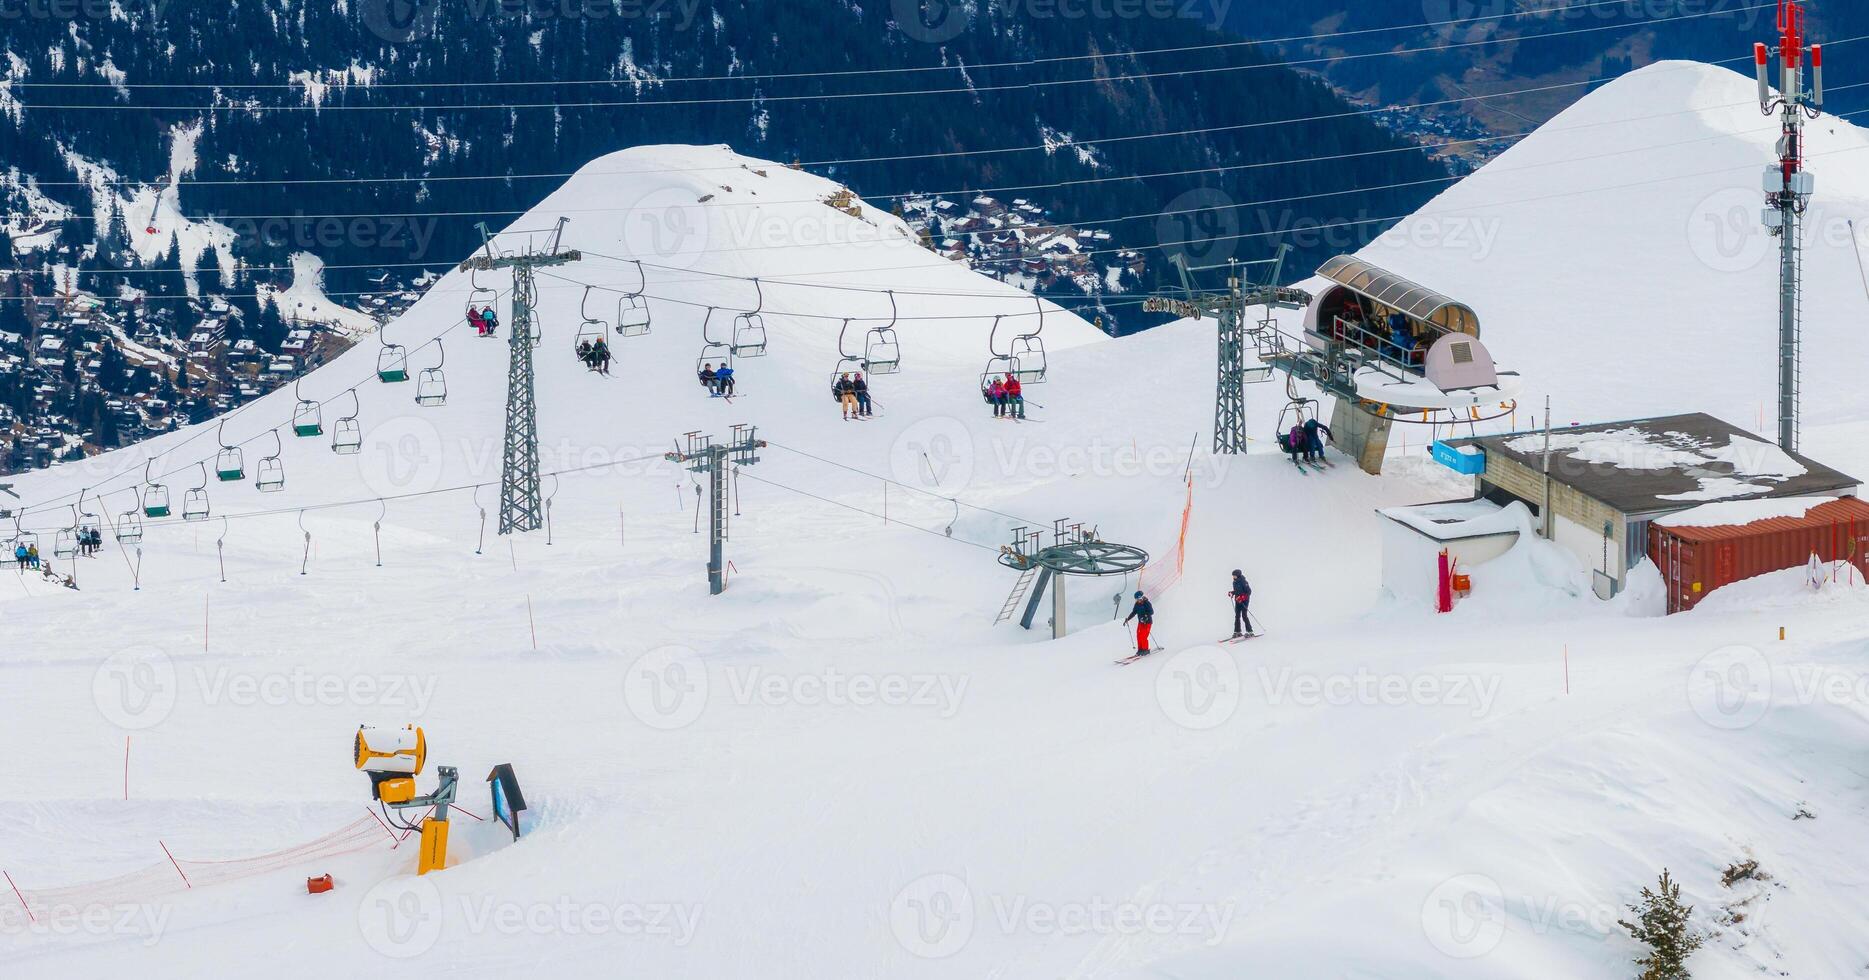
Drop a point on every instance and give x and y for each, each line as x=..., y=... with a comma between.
x=841, y=767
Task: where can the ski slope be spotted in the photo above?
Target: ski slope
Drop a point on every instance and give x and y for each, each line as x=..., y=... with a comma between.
x=840, y=767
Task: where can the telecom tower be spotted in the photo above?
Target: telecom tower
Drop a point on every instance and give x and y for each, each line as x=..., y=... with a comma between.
x=1788, y=189
x=520, y=507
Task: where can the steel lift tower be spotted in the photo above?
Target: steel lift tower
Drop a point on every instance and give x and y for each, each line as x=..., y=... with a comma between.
x=1788, y=189
x=520, y=508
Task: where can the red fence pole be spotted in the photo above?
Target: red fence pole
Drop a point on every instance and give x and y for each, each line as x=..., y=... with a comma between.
x=22, y=898
x=178, y=867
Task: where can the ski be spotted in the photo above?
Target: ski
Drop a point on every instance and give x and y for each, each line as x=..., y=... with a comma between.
x=1242, y=636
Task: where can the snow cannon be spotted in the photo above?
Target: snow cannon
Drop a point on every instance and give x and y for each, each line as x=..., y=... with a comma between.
x=392, y=758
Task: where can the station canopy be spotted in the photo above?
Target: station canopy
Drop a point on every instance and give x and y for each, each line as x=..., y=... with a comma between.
x=1395, y=292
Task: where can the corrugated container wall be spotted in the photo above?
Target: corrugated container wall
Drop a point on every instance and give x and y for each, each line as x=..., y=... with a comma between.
x=1696, y=560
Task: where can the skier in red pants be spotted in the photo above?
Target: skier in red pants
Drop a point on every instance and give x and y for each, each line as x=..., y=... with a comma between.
x=1144, y=614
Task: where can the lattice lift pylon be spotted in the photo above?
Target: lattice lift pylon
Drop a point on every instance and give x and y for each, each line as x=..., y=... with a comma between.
x=521, y=508
x=703, y=456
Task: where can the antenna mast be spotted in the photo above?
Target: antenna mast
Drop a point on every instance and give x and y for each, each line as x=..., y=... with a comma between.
x=1788, y=189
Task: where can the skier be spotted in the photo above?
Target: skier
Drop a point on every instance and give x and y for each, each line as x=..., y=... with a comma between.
x=1292, y=442
x=847, y=397
x=1144, y=614
x=996, y=393
x=707, y=377
x=1242, y=597
x=32, y=555
x=723, y=380
x=600, y=357
x=861, y=389
x=475, y=320
x=1015, y=397
x=19, y=556
x=1314, y=433
x=585, y=354
x=490, y=318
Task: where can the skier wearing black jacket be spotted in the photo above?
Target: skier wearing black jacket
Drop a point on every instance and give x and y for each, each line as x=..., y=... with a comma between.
x=1242, y=597
x=1144, y=614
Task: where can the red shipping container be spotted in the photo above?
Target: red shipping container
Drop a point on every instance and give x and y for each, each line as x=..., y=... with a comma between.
x=1696, y=560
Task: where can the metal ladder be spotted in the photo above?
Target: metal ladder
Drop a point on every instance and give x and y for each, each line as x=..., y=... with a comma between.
x=1017, y=595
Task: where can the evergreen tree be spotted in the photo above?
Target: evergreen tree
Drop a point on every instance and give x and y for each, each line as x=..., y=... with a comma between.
x=1662, y=925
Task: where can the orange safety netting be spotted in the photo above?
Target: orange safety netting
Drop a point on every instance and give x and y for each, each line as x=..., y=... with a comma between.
x=1161, y=573
x=174, y=874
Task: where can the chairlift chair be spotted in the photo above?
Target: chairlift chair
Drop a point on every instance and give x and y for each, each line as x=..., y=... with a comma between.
x=129, y=526
x=307, y=416
x=882, y=352
x=749, y=329
x=271, y=476
x=591, y=329
x=479, y=298
x=230, y=463
x=392, y=364
x=1029, y=351
x=195, y=501
x=997, y=366
x=633, y=308
x=65, y=544
x=715, y=353
x=347, y=434
x=1028, y=356
x=431, y=387
x=155, y=495
x=845, y=365
x=1296, y=412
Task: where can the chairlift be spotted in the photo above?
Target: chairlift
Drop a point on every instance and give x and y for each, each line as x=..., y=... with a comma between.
x=882, y=352
x=1297, y=412
x=846, y=363
x=714, y=353
x=997, y=366
x=65, y=543
x=749, y=329
x=195, y=501
x=347, y=434
x=591, y=329
x=22, y=537
x=307, y=416
x=479, y=298
x=155, y=495
x=1028, y=350
x=230, y=463
x=129, y=526
x=271, y=476
x=431, y=387
x=633, y=308
x=392, y=362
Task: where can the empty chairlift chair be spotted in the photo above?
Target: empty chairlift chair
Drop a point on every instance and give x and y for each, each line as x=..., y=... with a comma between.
x=271, y=475
x=129, y=527
x=307, y=415
x=65, y=543
x=749, y=329
x=346, y=433
x=155, y=495
x=195, y=501
x=633, y=308
x=1028, y=351
x=431, y=387
x=882, y=352
x=230, y=463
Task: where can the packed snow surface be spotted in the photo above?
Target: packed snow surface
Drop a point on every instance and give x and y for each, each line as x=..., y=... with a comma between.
x=841, y=766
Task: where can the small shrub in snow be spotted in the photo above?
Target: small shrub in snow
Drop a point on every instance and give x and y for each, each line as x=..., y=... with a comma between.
x=1738, y=871
x=1661, y=925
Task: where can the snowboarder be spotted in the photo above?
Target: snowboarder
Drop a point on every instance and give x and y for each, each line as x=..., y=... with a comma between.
x=1143, y=612
x=1242, y=597
x=861, y=389
x=707, y=377
x=996, y=393
x=1015, y=397
x=1314, y=434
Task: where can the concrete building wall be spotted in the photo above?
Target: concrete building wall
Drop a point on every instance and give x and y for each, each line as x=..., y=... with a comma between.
x=1578, y=520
